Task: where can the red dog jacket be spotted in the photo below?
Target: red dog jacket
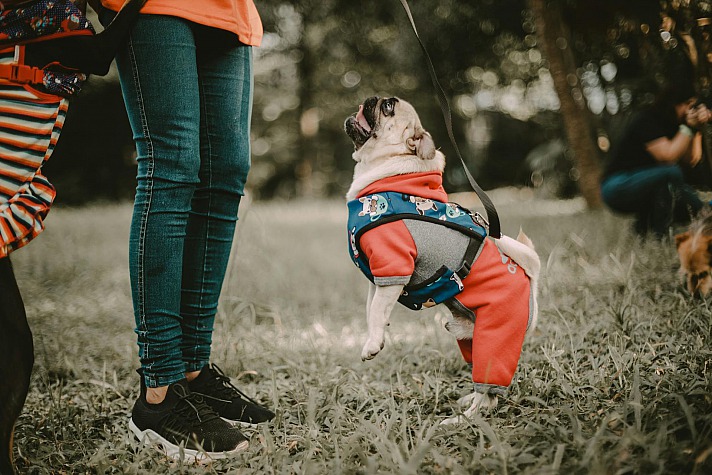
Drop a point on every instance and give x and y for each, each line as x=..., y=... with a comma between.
x=497, y=292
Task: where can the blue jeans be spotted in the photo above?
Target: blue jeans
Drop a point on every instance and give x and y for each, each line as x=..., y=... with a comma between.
x=188, y=94
x=657, y=196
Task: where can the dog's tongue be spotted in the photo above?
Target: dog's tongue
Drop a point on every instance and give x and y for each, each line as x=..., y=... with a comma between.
x=362, y=119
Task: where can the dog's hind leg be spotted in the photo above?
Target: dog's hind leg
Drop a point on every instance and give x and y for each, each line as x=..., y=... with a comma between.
x=16, y=360
x=477, y=401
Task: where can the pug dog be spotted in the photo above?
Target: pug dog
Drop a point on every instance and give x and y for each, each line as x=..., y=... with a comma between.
x=422, y=255
x=694, y=249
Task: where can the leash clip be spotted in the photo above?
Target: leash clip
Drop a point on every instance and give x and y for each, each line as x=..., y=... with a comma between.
x=479, y=219
x=464, y=270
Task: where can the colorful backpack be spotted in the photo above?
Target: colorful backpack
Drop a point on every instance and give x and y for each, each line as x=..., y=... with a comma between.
x=41, y=20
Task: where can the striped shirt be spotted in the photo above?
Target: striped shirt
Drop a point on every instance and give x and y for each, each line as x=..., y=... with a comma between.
x=30, y=124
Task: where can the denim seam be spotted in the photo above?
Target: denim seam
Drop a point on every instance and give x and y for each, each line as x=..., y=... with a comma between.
x=207, y=224
x=141, y=281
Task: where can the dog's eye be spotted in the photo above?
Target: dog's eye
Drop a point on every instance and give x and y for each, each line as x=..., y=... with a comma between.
x=388, y=106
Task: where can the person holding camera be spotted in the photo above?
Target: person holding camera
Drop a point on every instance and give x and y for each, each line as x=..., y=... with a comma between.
x=644, y=177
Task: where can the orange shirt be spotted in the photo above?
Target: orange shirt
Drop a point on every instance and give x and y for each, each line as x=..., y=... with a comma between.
x=238, y=16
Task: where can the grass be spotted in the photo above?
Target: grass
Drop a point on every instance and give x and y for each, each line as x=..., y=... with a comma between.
x=616, y=379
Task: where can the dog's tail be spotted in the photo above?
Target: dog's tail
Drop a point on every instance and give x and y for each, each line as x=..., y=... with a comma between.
x=522, y=252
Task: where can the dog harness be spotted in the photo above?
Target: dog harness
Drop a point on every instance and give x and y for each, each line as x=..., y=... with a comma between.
x=370, y=211
x=395, y=230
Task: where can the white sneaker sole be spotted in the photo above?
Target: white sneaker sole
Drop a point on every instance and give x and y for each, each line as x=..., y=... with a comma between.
x=178, y=452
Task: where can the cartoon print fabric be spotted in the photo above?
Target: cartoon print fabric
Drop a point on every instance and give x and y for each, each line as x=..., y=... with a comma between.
x=41, y=20
x=375, y=209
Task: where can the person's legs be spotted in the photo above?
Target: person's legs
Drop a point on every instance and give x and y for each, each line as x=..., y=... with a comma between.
x=631, y=191
x=687, y=203
x=225, y=91
x=159, y=81
x=661, y=209
x=652, y=194
x=676, y=202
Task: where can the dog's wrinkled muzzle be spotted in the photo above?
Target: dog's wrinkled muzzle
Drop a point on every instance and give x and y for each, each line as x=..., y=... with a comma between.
x=359, y=127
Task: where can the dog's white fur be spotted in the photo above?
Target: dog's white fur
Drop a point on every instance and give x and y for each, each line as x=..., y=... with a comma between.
x=399, y=145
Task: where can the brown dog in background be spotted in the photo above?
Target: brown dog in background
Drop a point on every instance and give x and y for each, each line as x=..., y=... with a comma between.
x=694, y=248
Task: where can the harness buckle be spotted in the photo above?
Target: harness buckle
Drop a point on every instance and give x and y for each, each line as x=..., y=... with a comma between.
x=467, y=267
x=479, y=219
x=28, y=74
x=22, y=73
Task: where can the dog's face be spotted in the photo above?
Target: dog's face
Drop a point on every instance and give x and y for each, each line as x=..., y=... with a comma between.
x=360, y=126
x=695, y=253
x=388, y=127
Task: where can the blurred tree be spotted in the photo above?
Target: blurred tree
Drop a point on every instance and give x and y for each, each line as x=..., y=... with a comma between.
x=520, y=75
x=555, y=38
x=327, y=57
x=309, y=77
x=321, y=59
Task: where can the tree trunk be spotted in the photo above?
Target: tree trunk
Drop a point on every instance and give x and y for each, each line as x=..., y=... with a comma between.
x=701, y=44
x=307, y=145
x=555, y=43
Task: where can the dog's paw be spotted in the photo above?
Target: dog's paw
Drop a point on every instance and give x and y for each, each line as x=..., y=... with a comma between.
x=477, y=401
x=371, y=349
x=453, y=420
x=467, y=399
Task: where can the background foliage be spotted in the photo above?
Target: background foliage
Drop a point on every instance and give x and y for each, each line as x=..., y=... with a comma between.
x=320, y=58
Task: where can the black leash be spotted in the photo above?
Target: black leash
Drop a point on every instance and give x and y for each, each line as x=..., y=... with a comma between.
x=492, y=216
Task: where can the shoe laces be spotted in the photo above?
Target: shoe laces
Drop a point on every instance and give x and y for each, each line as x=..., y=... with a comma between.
x=222, y=385
x=190, y=408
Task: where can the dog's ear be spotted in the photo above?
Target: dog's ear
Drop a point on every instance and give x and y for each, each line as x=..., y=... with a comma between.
x=422, y=144
x=680, y=238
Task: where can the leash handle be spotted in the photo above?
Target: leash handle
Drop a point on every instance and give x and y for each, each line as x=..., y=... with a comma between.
x=492, y=216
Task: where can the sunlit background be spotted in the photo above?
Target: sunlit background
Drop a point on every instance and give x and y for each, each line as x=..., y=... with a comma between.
x=320, y=58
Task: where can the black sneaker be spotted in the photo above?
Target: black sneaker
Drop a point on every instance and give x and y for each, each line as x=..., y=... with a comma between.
x=184, y=426
x=232, y=404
